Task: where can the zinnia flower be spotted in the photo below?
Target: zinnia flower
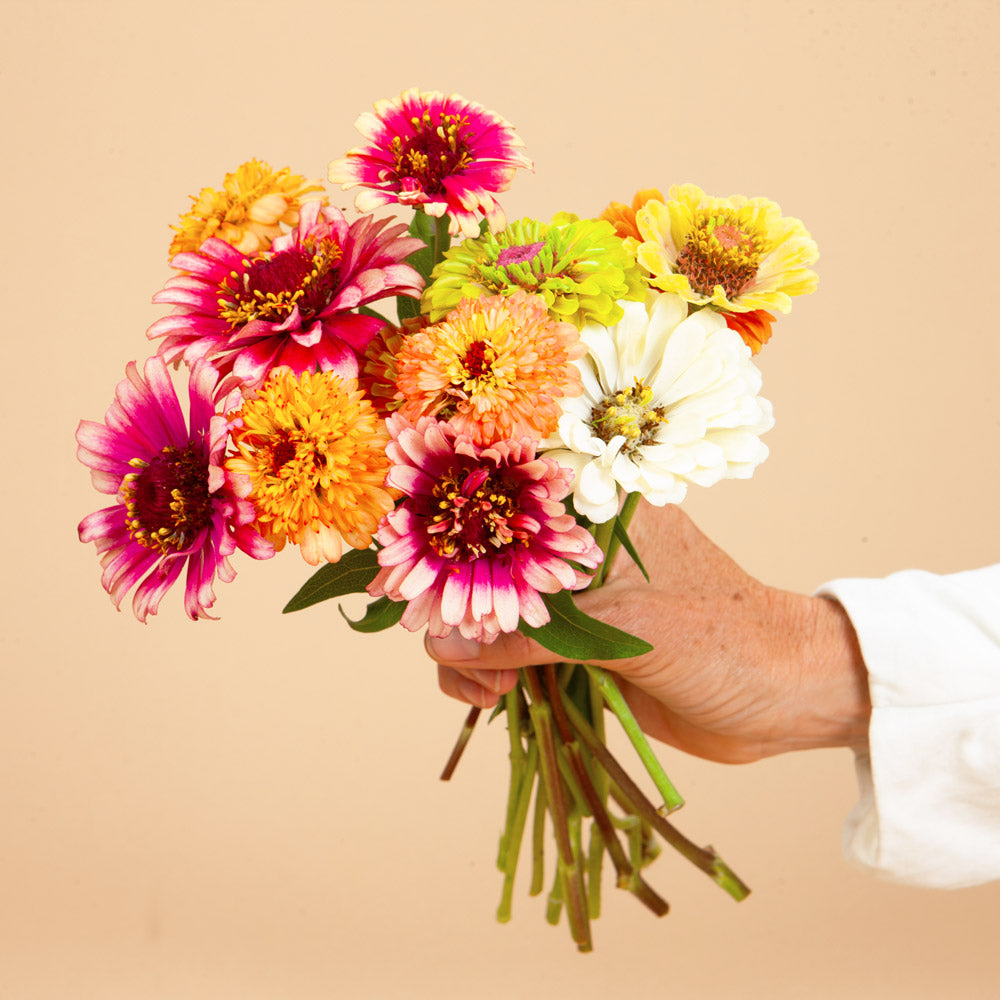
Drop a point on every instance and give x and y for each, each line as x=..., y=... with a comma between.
x=172, y=507
x=736, y=253
x=290, y=306
x=310, y=455
x=495, y=367
x=622, y=217
x=377, y=377
x=441, y=154
x=668, y=399
x=249, y=210
x=580, y=267
x=482, y=532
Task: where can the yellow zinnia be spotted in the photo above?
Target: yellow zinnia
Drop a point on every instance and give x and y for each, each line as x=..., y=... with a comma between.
x=249, y=210
x=737, y=254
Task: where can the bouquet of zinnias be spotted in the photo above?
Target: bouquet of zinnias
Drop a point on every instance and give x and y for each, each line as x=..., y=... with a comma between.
x=458, y=416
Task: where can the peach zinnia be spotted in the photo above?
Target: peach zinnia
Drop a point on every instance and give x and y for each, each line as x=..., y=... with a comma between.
x=495, y=367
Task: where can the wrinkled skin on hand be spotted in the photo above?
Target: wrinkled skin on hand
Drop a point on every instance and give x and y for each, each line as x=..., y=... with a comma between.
x=739, y=670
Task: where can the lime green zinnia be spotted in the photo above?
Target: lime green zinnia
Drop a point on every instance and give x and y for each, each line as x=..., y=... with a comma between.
x=580, y=267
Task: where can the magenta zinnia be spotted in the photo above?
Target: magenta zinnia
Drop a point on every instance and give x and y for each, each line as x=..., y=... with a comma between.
x=290, y=306
x=481, y=534
x=441, y=154
x=172, y=508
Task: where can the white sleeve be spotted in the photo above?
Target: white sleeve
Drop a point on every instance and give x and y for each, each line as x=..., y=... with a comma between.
x=929, y=808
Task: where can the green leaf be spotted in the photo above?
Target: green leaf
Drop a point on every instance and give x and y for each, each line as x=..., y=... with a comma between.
x=367, y=311
x=622, y=535
x=407, y=308
x=355, y=570
x=577, y=637
x=379, y=615
x=423, y=226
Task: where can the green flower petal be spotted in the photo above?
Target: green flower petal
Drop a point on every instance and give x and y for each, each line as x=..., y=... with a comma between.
x=581, y=267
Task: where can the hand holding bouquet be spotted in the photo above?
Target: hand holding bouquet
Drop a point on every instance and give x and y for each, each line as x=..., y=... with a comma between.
x=472, y=460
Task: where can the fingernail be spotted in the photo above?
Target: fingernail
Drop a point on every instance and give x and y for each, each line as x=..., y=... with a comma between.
x=453, y=648
x=473, y=693
x=490, y=679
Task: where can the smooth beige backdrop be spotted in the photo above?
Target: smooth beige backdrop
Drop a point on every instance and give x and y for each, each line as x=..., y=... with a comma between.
x=250, y=809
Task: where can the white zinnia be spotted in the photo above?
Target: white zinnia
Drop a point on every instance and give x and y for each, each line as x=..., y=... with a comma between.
x=693, y=414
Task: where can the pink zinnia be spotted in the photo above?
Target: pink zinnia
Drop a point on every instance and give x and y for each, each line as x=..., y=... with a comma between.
x=172, y=506
x=442, y=154
x=289, y=306
x=482, y=532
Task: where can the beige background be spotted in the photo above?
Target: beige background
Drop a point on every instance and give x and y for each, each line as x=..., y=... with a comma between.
x=250, y=809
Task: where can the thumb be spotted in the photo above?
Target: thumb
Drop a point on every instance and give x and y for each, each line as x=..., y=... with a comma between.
x=509, y=651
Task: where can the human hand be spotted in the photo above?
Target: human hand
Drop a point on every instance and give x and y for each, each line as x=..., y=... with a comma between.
x=738, y=670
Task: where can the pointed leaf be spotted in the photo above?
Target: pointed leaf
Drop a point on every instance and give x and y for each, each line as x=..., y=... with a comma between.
x=407, y=308
x=578, y=637
x=379, y=615
x=356, y=569
x=622, y=535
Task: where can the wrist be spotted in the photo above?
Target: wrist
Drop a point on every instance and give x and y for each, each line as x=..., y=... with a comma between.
x=826, y=682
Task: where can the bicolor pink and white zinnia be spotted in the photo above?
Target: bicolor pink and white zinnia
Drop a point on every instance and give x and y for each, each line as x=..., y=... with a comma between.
x=173, y=509
x=481, y=533
x=440, y=153
x=291, y=306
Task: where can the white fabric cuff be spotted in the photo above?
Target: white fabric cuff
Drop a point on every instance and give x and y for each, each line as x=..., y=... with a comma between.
x=929, y=808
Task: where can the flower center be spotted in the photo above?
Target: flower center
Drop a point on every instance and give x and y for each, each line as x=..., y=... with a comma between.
x=434, y=151
x=519, y=254
x=272, y=284
x=282, y=452
x=473, y=511
x=628, y=413
x=167, y=500
x=722, y=249
x=478, y=358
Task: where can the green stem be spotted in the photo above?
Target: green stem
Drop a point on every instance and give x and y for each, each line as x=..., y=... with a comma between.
x=613, y=545
x=442, y=239
x=628, y=873
x=515, y=831
x=517, y=765
x=568, y=862
x=672, y=799
x=704, y=858
x=538, y=842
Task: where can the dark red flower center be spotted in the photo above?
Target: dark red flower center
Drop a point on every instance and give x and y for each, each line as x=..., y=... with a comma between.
x=167, y=502
x=478, y=359
x=272, y=284
x=435, y=149
x=471, y=513
x=720, y=251
x=281, y=453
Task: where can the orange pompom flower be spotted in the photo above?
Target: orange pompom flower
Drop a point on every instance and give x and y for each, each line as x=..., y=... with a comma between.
x=495, y=367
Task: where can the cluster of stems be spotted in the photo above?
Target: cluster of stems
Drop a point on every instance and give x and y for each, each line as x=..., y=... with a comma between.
x=559, y=758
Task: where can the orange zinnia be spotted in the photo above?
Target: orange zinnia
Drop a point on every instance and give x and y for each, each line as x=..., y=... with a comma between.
x=622, y=217
x=495, y=367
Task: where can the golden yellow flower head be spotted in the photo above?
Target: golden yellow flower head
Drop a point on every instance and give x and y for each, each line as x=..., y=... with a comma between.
x=737, y=254
x=310, y=456
x=248, y=212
